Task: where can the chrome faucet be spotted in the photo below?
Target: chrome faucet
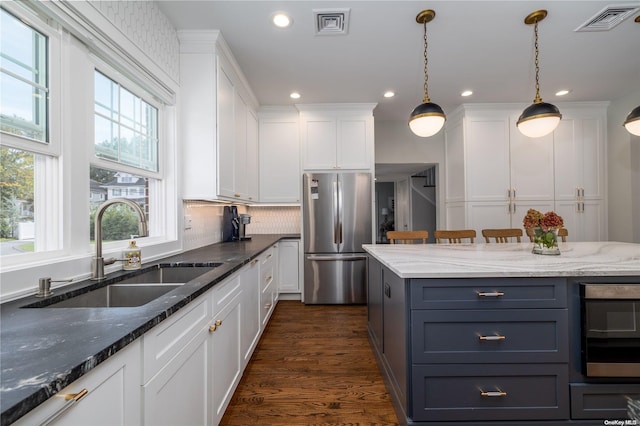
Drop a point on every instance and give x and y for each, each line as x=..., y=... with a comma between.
x=98, y=262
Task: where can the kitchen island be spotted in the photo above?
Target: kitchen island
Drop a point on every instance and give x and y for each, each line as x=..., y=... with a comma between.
x=490, y=334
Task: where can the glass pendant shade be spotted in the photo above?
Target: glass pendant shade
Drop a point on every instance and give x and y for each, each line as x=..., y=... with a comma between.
x=426, y=119
x=539, y=119
x=632, y=123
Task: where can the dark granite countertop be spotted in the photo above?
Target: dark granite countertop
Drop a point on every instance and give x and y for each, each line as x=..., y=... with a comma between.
x=43, y=350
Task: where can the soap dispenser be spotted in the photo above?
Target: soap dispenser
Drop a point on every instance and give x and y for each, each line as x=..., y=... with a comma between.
x=132, y=256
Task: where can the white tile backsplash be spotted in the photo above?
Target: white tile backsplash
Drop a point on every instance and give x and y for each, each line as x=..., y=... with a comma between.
x=206, y=222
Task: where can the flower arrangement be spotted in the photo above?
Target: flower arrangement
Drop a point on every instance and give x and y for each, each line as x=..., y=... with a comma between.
x=545, y=230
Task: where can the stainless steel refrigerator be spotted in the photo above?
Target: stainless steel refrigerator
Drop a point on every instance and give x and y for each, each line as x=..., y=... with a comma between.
x=336, y=223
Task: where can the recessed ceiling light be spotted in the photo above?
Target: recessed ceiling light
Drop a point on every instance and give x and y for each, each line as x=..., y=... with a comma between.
x=389, y=94
x=563, y=92
x=281, y=20
x=466, y=93
x=294, y=95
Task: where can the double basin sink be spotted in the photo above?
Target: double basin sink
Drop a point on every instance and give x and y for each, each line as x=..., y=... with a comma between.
x=132, y=291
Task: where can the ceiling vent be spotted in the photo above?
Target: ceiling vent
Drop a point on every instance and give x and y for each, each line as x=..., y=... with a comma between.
x=608, y=17
x=331, y=21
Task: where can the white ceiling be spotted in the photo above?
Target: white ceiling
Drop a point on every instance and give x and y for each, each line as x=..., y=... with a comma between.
x=479, y=45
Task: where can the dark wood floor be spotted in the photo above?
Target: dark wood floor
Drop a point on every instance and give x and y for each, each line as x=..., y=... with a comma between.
x=313, y=366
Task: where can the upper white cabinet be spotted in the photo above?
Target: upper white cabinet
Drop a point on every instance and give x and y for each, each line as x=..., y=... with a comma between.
x=219, y=133
x=494, y=174
x=280, y=174
x=337, y=136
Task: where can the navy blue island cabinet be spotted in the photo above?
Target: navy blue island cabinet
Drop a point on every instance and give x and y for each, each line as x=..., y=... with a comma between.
x=489, y=351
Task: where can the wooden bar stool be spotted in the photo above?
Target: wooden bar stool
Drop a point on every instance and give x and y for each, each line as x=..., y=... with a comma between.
x=502, y=235
x=455, y=236
x=407, y=237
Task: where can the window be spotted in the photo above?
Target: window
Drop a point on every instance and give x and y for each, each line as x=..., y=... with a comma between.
x=24, y=86
x=126, y=127
x=126, y=163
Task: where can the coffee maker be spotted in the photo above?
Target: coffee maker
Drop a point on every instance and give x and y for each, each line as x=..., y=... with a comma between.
x=243, y=221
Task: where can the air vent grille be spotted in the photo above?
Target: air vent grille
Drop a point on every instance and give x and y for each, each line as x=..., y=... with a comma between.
x=608, y=18
x=331, y=21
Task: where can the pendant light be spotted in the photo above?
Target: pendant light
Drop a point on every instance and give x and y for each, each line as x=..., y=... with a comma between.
x=632, y=123
x=427, y=118
x=540, y=118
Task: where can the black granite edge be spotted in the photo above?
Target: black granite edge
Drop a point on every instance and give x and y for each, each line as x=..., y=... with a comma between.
x=12, y=414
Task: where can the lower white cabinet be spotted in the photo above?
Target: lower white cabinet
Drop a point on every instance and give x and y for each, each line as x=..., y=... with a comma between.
x=178, y=393
x=268, y=283
x=251, y=324
x=109, y=395
x=225, y=362
x=289, y=266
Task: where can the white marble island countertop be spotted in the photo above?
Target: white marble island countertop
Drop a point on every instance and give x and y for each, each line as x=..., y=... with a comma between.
x=507, y=260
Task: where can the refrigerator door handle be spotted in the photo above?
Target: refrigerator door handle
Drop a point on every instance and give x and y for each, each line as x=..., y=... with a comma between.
x=319, y=257
x=336, y=216
x=339, y=211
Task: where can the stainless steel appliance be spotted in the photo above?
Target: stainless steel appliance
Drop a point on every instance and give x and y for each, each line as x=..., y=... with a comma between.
x=336, y=223
x=243, y=221
x=610, y=316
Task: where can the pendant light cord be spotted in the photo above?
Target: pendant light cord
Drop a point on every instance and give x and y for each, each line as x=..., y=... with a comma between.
x=426, y=62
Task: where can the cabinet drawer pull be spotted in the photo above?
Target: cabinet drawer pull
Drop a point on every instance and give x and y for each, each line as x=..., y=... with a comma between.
x=254, y=261
x=269, y=255
x=496, y=337
x=236, y=195
x=492, y=393
x=490, y=294
x=212, y=328
x=218, y=323
x=72, y=399
x=267, y=279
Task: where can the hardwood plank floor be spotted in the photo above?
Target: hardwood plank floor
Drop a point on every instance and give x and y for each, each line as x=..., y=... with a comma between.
x=313, y=366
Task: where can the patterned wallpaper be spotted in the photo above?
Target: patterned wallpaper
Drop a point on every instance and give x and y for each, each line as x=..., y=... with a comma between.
x=147, y=27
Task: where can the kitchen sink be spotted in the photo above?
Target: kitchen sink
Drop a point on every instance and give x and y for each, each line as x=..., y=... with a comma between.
x=169, y=274
x=133, y=291
x=117, y=296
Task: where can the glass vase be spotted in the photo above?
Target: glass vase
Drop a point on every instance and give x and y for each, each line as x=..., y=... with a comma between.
x=545, y=242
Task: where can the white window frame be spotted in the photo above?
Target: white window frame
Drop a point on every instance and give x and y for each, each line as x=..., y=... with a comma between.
x=52, y=147
x=48, y=191
x=79, y=54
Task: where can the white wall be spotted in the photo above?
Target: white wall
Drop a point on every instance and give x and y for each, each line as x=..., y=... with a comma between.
x=395, y=143
x=623, y=172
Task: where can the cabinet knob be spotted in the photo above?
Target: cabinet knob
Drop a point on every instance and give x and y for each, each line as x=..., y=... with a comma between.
x=212, y=328
x=218, y=323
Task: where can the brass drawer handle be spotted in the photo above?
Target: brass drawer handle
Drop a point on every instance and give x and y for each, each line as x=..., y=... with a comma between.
x=490, y=294
x=72, y=399
x=492, y=393
x=496, y=337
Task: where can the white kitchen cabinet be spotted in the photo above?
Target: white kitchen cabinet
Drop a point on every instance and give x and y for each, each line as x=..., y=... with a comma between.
x=337, y=136
x=251, y=324
x=268, y=283
x=176, y=357
x=225, y=345
x=289, y=267
x=178, y=394
x=112, y=396
x=279, y=141
x=219, y=130
x=494, y=173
